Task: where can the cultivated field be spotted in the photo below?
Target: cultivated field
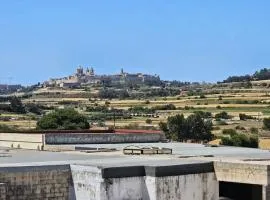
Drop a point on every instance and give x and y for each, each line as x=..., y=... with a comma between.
x=254, y=102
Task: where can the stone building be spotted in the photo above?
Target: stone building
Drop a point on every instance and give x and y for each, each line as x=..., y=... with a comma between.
x=88, y=77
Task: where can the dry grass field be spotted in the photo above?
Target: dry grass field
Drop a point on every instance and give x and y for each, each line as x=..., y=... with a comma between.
x=254, y=102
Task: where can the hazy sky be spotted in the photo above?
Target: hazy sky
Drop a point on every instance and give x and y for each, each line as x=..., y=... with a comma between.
x=192, y=40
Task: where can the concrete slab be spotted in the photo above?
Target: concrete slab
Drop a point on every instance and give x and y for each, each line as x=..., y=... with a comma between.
x=111, y=158
x=189, y=149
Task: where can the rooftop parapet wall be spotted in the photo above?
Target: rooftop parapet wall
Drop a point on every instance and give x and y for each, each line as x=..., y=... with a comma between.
x=38, y=141
x=97, y=138
x=242, y=172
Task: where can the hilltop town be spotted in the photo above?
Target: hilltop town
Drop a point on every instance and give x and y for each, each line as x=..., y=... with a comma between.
x=88, y=77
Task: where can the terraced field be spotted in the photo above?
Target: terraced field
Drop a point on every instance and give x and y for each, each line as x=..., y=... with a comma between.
x=254, y=102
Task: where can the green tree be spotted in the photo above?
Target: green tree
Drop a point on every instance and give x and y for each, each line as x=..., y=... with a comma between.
x=197, y=128
x=16, y=105
x=148, y=121
x=223, y=115
x=33, y=108
x=194, y=127
x=63, y=119
x=240, y=140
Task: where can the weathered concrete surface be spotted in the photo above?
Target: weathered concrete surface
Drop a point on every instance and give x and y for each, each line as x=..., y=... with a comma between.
x=133, y=188
x=86, y=182
x=97, y=138
x=3, y=191
x=89, y=184
x=132, y=182
x=192, y=187
x=35, y=182
x=242, y=172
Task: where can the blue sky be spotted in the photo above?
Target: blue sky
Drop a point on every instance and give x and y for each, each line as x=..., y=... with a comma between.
x=189, y=40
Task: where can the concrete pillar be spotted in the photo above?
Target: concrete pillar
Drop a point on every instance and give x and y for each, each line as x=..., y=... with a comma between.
x=3, y=191
x=266, y=192
x=188, y=187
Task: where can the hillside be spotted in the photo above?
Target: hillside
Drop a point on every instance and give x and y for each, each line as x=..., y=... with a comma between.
x=144, y=106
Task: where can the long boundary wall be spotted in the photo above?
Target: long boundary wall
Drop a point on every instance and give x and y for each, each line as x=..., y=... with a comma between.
x=40, y=140
x=98, y=138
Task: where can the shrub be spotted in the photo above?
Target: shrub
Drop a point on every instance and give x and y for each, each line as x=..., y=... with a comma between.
x=63, y=119
x=107, y=103
x=187, y=108
x=240, y=140
x=33, y=108
x=240, y=128
x=226, y=102
x=222, y=115
x=5, y=128
x=204, y=114
x=230, y=132
x=165, y=107
x=244, y=117
x=254, y=130
x=148, y=121
x=218, y=107
x=147, y=102
x=202, y=96
x=216, y=128
x=140, y=109
x=255, y=102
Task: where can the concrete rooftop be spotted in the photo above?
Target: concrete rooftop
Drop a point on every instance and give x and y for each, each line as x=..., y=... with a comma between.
x=180, y=152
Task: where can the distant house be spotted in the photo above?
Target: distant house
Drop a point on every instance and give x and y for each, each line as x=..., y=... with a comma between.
x=70, y=84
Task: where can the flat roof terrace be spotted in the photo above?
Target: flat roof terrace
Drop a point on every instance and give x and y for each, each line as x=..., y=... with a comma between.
x=194, y=168
x=180, y=151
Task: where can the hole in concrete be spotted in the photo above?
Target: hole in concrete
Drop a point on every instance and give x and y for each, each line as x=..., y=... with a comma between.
x=239, y=191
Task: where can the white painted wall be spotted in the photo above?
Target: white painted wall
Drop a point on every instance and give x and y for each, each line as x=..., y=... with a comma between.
x=186, y=187
x=89, y=185
x=87, y=182
x=131, y=188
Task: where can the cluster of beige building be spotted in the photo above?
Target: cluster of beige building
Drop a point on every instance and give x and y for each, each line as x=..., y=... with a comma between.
x=88, y=77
